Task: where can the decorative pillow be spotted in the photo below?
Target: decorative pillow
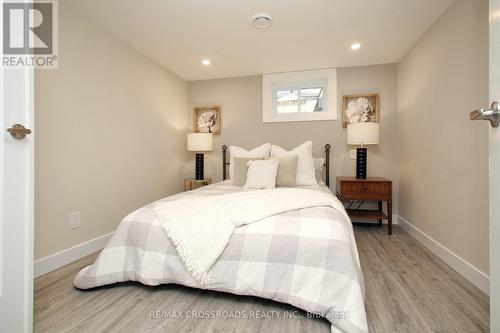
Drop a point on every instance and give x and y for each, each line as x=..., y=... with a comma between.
x=259, y=152
x=262, y=174
x=240, y=169
x=287, y=171
x=305, y=162
x=318, y=169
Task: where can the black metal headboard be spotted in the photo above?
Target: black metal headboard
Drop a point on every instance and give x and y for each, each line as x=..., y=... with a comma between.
x=225, y=163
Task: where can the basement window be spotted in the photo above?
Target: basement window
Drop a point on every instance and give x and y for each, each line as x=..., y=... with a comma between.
x=300, y=96
x=300, y=99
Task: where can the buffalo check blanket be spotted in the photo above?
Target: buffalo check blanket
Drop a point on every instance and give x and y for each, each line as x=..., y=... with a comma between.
x=307, y=258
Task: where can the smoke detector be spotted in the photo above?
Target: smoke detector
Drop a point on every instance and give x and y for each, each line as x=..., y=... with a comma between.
x=262, y=21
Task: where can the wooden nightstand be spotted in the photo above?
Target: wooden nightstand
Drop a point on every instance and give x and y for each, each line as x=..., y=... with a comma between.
x=378, y=189
x=192, y=183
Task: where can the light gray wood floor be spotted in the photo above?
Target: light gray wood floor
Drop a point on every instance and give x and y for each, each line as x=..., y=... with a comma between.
x=408, y=289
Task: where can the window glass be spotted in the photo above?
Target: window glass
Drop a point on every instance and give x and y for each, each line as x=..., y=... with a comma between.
x=311, y=99
x=287, y=101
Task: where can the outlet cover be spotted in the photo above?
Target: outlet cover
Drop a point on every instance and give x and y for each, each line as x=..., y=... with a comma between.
x=352, y=154
x=74, y=220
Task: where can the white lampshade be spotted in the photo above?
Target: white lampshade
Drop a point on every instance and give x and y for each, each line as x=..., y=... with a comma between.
x=363, y=134
x=199, y=142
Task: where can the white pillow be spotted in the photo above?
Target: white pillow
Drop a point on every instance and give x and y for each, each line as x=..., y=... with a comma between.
x=259, y=152
x=305, y=162
x=318, y=169
x=262, y=174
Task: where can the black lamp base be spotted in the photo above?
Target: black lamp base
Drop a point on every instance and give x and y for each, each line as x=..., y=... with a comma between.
x=361, y=157
x=199, y=166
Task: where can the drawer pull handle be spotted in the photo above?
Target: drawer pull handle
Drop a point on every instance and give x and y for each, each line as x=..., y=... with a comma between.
x=365, y=188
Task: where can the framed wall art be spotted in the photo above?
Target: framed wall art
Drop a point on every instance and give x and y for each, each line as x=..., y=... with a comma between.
x=360, y=109
x=207, y=120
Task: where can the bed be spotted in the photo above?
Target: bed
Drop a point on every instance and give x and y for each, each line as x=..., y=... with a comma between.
x=306, y=258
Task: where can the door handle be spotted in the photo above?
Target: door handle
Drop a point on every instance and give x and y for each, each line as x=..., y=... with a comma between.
x=18, y=131
x=492, y=114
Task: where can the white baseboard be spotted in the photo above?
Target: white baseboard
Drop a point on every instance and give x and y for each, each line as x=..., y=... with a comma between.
x=395, y=220
x=64, y=257
x=462, y=266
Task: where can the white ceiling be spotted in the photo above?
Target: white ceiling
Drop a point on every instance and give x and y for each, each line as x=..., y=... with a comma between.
x=306, y=34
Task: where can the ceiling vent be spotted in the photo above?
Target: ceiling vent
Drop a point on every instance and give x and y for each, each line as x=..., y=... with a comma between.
x=262, y=21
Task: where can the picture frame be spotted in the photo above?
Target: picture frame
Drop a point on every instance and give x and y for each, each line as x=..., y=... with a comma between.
x=207, y=119
x=360, y=108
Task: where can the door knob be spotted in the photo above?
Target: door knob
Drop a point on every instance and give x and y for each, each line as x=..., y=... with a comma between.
x=18, y=131
x=492, y=114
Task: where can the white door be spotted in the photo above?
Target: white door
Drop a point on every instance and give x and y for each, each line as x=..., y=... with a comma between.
x=495, y=170
x=16, y=202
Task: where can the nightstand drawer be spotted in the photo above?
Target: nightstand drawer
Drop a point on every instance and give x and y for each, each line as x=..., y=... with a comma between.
x=365, y=188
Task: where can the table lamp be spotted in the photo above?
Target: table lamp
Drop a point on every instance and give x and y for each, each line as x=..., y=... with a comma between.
x=362, y=134
x=199, y=142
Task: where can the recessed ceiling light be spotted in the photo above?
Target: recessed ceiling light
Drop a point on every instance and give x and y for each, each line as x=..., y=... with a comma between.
x=355, y=46
x=205, y=62
x=262, y=21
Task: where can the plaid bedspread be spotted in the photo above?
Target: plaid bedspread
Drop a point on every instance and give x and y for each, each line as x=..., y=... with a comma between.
x=307, y=258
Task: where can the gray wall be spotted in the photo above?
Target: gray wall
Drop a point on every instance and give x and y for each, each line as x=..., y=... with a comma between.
x=241, y=102
x=443, y=157
x=110, y=135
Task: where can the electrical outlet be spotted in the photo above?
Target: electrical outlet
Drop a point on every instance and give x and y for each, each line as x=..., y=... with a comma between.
x=352, y=154
x=74, y=220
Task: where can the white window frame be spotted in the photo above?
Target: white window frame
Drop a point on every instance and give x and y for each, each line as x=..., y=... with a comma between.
x=293, y=80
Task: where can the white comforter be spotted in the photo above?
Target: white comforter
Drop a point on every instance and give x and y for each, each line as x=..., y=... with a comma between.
x=307, y=258
x=201, y=227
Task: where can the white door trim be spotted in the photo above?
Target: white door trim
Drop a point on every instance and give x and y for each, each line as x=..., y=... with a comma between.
x=18, y=215
x=18, y=202
x=494, y=70
x=30, y=204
